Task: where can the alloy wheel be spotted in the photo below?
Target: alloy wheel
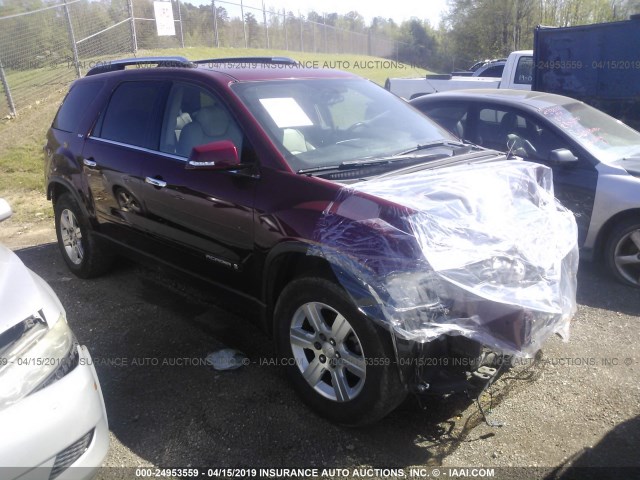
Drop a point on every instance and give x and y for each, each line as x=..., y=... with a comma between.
x=327, y=352
x=627, y=257
x=71, y=236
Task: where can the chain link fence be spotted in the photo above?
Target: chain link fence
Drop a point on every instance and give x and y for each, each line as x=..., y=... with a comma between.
x=42, y=50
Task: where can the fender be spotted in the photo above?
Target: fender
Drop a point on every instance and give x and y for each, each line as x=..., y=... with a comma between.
x=276, y=276
x=271, y=270
x=57, y=182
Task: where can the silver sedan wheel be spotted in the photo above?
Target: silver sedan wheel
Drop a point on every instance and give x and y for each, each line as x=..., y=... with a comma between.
x=71, y=236
x=327, y=352
x=627, y=257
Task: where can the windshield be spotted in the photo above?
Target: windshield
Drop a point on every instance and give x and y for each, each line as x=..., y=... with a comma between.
x=604, y=137
x=322, y=123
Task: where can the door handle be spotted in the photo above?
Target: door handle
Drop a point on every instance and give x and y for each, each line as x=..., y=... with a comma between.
x=155, y=182
x=89, y=162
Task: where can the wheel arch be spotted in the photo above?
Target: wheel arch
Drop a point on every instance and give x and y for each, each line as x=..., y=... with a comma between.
x=290, y=260
x=285, y=262
x=58, y=187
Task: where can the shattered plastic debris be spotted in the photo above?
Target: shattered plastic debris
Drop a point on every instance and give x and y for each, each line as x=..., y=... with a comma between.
x=227, y=359
x=484, y=251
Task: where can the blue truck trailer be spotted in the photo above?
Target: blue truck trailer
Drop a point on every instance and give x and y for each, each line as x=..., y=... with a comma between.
x=598, y=64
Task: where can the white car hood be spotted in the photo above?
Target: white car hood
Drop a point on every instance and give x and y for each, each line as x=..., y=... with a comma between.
x=20, y=295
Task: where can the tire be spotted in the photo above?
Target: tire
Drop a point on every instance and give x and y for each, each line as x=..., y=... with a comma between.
x=622, y=252
x=85, y=255
x=354, y=378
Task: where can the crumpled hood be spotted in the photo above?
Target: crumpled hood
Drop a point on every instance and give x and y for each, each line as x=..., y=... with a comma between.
x=479, y=250
x=20, y=295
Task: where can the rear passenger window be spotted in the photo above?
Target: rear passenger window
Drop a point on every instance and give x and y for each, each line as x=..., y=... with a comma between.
x=75, y=105
x=132, y=114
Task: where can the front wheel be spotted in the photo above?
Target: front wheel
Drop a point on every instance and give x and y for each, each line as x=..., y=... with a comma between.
x=83, y=253
x=622, y=252
x=339, y=361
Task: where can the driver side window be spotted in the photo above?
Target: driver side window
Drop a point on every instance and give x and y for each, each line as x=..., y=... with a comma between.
x=193, y=117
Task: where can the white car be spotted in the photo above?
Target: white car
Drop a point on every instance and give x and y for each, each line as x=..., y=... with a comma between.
x=52, y=413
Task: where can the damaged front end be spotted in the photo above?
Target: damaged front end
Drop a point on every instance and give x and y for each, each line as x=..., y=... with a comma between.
x=466, y=266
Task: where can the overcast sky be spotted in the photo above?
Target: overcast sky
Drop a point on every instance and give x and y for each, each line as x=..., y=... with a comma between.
x=399, y=10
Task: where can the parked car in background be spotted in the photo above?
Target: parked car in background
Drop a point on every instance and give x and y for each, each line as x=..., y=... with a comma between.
x=595, y=63
x=322, y=202
x=52, y=414
x=485, y=68
x=516, y=72
x=595, y=160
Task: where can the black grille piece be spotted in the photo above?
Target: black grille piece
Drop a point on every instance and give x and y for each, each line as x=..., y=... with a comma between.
x=69, y=455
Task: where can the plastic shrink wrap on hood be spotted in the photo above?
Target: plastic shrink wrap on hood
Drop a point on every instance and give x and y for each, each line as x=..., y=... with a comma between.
x=484, y=251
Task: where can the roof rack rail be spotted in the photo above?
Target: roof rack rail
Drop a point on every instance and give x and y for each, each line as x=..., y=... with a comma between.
x=266, y=60
x=115, y=65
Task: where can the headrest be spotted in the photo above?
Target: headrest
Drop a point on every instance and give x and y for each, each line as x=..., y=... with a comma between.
x=214, y=121
x=509, y=120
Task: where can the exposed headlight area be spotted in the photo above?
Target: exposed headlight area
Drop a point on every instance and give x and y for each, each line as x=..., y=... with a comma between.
x=416, y=289
x=417, y=299
x=425, y=306
x=505, y=270
x=33, y=355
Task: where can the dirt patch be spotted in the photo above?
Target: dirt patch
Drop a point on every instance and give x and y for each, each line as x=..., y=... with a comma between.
x=31, y=222
x=16, y=235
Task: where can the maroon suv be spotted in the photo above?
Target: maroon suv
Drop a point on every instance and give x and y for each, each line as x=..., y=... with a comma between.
x=384, y=256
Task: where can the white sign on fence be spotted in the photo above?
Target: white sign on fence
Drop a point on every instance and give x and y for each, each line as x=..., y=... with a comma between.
x=164, y=18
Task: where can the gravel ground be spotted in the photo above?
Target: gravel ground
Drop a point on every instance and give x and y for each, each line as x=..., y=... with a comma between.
x=577, y=405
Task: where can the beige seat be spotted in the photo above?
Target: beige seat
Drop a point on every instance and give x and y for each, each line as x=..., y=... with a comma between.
x=294, y=141
x=210, y=124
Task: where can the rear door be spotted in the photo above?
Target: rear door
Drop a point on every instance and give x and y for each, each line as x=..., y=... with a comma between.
x=65, y=138
x=117, y=148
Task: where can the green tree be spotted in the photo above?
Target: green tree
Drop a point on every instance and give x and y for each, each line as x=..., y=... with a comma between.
x=418, y=44
x=253, y=30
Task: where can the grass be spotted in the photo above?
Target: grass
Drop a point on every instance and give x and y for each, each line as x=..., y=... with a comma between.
x=21, y=161
x=22, y=138
x=31, y=87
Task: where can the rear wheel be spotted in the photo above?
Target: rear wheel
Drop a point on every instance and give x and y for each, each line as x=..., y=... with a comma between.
x=84, y=254
x=339, y=361
x=622, y=252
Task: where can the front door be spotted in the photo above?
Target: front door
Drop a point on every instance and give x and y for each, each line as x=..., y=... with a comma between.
x=207, y=212
x=512, y=130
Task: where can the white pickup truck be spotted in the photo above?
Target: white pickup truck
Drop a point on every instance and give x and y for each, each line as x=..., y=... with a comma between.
x=517, y=74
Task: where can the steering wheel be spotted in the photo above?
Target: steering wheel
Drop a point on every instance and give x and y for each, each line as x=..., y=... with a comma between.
x=520, y=146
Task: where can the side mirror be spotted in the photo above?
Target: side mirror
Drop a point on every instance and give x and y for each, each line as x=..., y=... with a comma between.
x=562, y=156
x=5, y=210
x=220, y=155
